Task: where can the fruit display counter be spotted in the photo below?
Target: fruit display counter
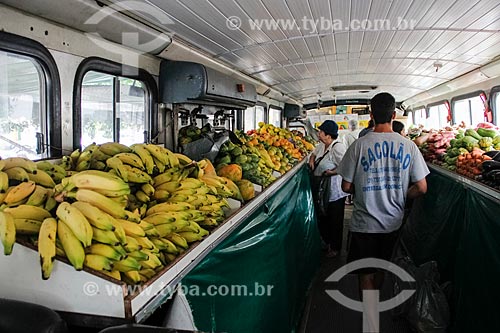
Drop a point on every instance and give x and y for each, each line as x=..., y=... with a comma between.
x=90, y=293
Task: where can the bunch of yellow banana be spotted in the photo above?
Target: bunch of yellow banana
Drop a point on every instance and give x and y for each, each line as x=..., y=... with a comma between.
x=220, y=184
x=7, y=232
x=47, y=245
x=55, y=171
x=100, y=181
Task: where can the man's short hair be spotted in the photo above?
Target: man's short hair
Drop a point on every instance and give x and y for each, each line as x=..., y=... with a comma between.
x=382, y=106
x=397, y=126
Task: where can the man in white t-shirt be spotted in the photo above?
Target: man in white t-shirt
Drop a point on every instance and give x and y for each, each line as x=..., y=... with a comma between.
x=382, y=169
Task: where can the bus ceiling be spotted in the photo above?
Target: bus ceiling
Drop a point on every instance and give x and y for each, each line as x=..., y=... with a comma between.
x=294, y=51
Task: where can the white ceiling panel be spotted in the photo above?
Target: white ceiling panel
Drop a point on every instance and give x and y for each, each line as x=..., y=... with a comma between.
x=398, y=40
x=355, y=41
x=379, y=9
x=413, y=38
x=442, y=40
x=384, y=39
x=474, y=13
x=489, y=20
x=340, y=10
x=274, y=52
x=301, y=47
x=427, y=40
x=287, y=49
x=457, y=41
x=369, y=41
x=280, y=11
x=418, y=10
x=328, y=44
x=341, y=42
x=314, y=45
x=434, y=14
x=460, y=8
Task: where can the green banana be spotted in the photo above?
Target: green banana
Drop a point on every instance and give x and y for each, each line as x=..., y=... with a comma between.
x=47, y=245
x=139, y=255
x=105, y=236
x=7, y=232
x=127, y=265
x=38, y=197
x=117, y=165
x=72, y=247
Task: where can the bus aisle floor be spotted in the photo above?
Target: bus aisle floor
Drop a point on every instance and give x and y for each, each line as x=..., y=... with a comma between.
x=323, y=314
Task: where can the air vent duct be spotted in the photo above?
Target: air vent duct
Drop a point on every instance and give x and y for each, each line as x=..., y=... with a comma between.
x=189, y=82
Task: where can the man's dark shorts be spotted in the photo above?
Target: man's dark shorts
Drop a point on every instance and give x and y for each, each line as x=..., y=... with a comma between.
x=373, y=245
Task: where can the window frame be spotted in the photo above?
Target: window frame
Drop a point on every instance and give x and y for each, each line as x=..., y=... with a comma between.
x=275, y=107
x=51, y=90
x=494, y=93
x=444, y=102
x=476, y=93
x=109, y=67
x=420, y=107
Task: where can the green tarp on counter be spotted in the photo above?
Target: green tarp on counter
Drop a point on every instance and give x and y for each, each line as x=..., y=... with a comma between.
x=459, y=227
x=274, y=254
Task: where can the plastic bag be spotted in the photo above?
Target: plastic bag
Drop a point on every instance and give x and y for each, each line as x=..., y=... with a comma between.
x=320, y=187
x=427, y=310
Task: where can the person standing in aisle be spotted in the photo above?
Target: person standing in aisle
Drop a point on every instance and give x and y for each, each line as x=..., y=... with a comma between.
x=378, y=169
x=324, y=162
x=365, y=130
x=398, y=127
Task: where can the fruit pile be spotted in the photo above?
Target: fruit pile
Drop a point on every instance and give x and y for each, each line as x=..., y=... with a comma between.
x=125, y=212
x=263, y=151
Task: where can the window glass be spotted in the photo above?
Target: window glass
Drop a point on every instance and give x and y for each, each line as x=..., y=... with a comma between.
x=275, y=117
x=409, y=120
x=420, y=117
x=102, y=113
x=437, y=116
x=21, y=105
x=249, y=119
x=469, y=110
x=259, y=115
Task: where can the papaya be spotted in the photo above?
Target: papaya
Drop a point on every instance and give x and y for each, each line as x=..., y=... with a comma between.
x=246, y=189
x=231, y=171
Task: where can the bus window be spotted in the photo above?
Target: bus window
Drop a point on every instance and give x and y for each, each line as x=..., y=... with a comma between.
x=438, y=116
x=252, y=117
x=21, y=105
x=275, y=117
x=409, y=119
x=469, y=110
x=112, y=109
x=420, y=117
x=496, y=107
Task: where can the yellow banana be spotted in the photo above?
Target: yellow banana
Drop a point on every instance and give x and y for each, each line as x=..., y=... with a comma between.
x=152, y=262
x=169, y=256
x=57, y=177
x=42, y=178
x=106, y=250
x=209, y=222
x=50, y=203
x=167, y=176
x=132, y=276
x=166, y=229
x=97, y=165
x=28, y=212
x=127, y=265
x=72, y=247
x=27, y=226
x=113, y=148
x=169, y=246
x=190, y=236
x=161, y=195
x=7, y=232
x=76, y=221
x=132, y=229
x=4, y=181
x=2, y=164
x=142, y=197
x=191, y=183
x=95, y=216
x=145, y=225
x=20, y=192
x=162, y=218
x=102, y=202
x=169, y=207
x=171, y=186
x=153, y=232
x=95, y=179
x=191, y=227
x=145, y=243
x=148, y=189
x=138, y=255
x=135, y=175
x=173, y=159
x=99, y=155
x=98, y=262
x=83, y=165
x=183, y=159
x=117, y=165
x=105, y=236
x=213, y=181
x=131, y=159
x=234, y=189
x=113, y=193
x=178, y=240
x=132, y=244
x=47, y=245
x=113, y=274
x=39, y=196
x=147, y=272
x=119, y=231
x=48, y=166
x=145, y=156
x=157, y=153
x=26, y=164
x=159, y=165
